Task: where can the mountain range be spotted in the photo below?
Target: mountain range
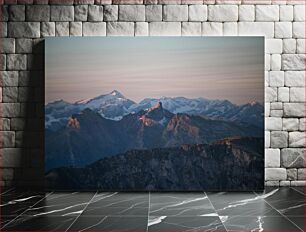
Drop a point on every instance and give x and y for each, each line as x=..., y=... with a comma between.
x=115, y=106
x=87, y=136
x=238, y=159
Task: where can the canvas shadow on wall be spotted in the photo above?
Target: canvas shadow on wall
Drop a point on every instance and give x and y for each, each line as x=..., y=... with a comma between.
x=154, y=113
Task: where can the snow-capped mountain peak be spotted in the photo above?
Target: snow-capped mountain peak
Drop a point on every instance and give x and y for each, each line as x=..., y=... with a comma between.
x=117, y=94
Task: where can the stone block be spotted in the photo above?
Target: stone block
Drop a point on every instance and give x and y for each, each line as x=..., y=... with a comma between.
x=284, y=183
x=38, y=13
x=294, y=110
x=94, y=29
x=286, y=13
x=302, y=124
x=272, y=158
x=8, y=45
x=24, y=29
x=267, y=61
x=256, y=28
x=277, y=78
x=273, y=123
x=9, y=94
x=75, y=29
x=191, y=29
x=175, y=13
x=295, y=78
x=273, y=46
x=17, y=13
x=9, y=78
x=141, y=29
x=289, y=46
x=80, y=13
x=24, y=45
x=12, y=157
x=222, y=13
x=230, y=28
x=275, y=174
x=297, y=94
x=276, y=62
x=47, y=29
x=276, y=113
x=11, y=109
x=246, y=13
x=110, y=13
x=298, y=30
x=154, y=13
x=293, y=157
x=197, y=13
x=283, y=30
x=267, y=139
x=267, y=13
x=62, y=13
x=270, y=183
x=212, y=29
x=293, y=61
x=299, y=13
x=270, y=94
x=165, y=29
x=95, y=13
x=120, y=29
x=290, y=124
x=296, y=139
x=16, y=62
x=297, y=183
x=301, y=174
x=62, y=29
x=279, y=139
x=300, y=47
x=2, y=62
x=131, y=13
x=292, y=174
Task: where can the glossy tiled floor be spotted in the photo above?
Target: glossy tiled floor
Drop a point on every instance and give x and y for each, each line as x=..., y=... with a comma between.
x=274, y=210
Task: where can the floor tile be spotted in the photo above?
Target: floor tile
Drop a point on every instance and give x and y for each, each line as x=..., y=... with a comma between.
x=107, y=204
x=14, y=203
x=42, y=223
x=299, y=221
x=61, y=204
x=259, y=223
x=287, y=201
x=180, y=224
x=245, y=204
x=180, y=204
x=301, y=190
x=110, y=223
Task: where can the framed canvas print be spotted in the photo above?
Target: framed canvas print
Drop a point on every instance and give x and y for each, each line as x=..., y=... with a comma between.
x=154, y=113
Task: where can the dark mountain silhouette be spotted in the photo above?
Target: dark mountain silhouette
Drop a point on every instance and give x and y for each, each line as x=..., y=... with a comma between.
x=187, y=167
x=87, y=136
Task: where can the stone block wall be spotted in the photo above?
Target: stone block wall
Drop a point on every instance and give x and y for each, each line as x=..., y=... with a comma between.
x=25, y=23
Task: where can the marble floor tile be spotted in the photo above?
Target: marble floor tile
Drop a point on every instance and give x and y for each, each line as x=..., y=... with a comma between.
x=245, y=204
x=41, y=223
x=110, y=224
x=187, y=224
x=14, y=203
x=301, y=190
x=300, y=221
x=107, y=204
x=180, y=204
x=286, y=201
x=259, y=223
x=61, y=204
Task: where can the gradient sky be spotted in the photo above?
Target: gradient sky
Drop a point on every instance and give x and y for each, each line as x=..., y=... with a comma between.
x=229, y=68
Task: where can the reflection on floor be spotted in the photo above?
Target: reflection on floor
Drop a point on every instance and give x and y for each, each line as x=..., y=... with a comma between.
x=275, y=210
